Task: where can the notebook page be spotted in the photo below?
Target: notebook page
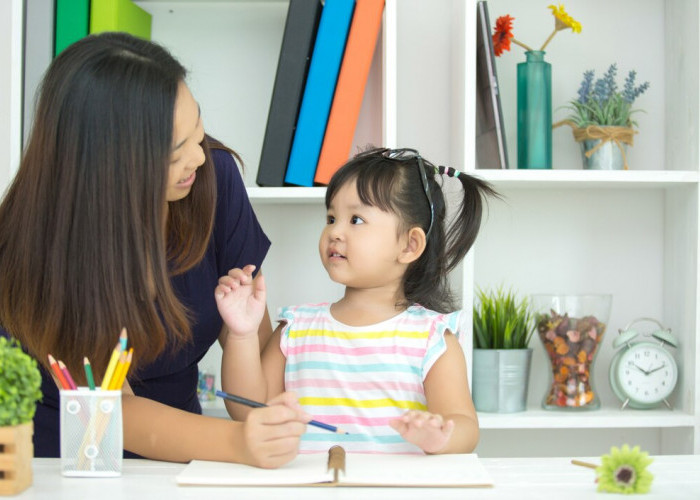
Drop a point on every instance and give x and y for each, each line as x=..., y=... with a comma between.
x=415, y=470
x=304, y=469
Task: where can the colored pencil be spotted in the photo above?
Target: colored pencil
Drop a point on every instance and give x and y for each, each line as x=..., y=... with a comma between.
x=255, y=404
x=122, y=377
x=117, y=375
x=66, y=373
x=88, y=373
x=59, y=374
x=110, y=367
x=123, y=339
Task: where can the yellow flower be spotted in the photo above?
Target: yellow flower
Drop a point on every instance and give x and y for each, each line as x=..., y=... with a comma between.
x=564, y=20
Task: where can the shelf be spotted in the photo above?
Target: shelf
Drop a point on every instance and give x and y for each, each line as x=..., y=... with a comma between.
x=517, y=179
x=534, y=418
x=214, y=408
x=586, y=179
x=606, y=418
x=286, y=194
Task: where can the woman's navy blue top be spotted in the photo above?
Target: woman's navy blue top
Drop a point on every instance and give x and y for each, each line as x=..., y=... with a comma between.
x=237, y=240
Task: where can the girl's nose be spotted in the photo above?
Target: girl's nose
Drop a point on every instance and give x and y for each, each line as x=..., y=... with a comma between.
x=335, y=232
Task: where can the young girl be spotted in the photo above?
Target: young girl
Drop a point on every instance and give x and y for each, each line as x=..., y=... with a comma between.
x=384, y=362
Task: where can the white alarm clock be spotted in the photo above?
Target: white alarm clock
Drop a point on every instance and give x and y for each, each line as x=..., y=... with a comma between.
x=643, y=374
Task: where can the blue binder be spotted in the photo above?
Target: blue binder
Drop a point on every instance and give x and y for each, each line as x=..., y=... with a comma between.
x=318, y=92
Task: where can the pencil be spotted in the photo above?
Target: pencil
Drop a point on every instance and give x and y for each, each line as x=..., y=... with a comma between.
x=110, y=367
x=66, y=373
x=123, y=339
x=117, y=375
x=59, y=374
x=88, y=373
x=255, y=404
x=127, y=365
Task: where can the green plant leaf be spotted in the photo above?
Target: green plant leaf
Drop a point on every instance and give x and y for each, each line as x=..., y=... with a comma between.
x=501, y=321
x=20, y=384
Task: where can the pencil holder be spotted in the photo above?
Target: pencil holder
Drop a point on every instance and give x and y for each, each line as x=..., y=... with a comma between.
x=91, y=433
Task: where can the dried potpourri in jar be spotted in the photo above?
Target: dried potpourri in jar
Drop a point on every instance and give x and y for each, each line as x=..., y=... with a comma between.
x=571, y=344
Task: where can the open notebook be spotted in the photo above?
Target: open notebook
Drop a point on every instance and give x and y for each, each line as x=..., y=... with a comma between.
x=340, y=469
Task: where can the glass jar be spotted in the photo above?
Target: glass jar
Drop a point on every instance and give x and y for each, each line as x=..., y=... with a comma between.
x=571, y=328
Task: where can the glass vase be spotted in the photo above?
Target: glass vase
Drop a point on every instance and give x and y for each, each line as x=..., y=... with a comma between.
x=571, y=328
x=534, y=111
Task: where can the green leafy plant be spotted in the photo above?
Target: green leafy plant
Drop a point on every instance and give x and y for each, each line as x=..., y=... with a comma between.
x=601, y=103
x=20, y=383
x=501, y=321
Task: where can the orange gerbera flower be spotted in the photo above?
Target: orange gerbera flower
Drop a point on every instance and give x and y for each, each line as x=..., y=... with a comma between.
x=503, y=31
x=502, y=34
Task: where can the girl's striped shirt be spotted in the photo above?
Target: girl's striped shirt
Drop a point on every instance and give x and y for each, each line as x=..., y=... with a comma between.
x=359, y=378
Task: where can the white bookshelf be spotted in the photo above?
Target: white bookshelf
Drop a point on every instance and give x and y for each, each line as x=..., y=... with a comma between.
x=10, y=89
x=630, y=233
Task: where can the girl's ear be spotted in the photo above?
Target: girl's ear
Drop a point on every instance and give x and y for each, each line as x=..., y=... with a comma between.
x=415, y=246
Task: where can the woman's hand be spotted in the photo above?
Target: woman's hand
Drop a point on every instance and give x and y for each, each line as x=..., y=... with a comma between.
x=426, y=430
x=241, y=301
x=272, y=433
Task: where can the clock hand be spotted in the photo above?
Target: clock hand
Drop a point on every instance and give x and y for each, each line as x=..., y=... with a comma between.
x=641, y=369
x=657, y=368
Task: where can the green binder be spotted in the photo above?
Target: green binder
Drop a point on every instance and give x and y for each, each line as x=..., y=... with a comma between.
x=72, y=23
x=119, y=15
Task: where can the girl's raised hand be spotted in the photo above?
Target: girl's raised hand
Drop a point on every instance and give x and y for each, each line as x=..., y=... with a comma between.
x=426, y=430
x=241, y=301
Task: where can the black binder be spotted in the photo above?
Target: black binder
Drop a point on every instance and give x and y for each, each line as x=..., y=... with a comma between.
x=297, y=46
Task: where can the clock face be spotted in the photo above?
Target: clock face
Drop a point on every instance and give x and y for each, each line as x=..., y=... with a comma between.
x=647, y=373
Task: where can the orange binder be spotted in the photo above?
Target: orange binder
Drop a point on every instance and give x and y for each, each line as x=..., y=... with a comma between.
x=350, y=88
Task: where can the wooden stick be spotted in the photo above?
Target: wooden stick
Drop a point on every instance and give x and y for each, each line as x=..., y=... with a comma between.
x=584, y=464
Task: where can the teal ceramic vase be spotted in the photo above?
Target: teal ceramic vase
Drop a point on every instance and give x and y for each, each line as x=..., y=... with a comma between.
x=534, y=112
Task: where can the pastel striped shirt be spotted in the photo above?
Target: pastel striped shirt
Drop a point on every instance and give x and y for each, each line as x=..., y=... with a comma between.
x=360, y=377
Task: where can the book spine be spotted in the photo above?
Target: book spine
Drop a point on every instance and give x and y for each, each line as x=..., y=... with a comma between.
x=350, y=89
x=72, y=23
x=295, y=53
x=318, y=92
x=120, y=15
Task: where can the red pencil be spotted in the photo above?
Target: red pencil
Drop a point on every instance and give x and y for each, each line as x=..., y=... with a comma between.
x=65, y=372
x=59, y=374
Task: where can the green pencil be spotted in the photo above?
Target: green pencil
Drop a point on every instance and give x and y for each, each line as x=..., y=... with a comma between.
x=88, y=373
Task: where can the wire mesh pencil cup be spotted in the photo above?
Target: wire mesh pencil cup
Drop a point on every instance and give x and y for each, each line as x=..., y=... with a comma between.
x=91, y=433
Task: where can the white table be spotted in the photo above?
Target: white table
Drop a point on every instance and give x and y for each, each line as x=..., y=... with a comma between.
x=675, y=477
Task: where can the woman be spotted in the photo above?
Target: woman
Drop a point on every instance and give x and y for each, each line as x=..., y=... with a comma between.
x=121, y=215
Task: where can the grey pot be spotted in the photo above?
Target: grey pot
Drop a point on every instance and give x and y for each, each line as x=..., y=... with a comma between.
x=607, y=157
x=500, y=379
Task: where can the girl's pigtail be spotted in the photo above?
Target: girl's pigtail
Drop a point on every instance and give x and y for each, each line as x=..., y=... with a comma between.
x=462, y=232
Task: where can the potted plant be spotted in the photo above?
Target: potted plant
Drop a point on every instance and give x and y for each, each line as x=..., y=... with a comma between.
x=20, y=383
x=503, y=326
x=601, y=119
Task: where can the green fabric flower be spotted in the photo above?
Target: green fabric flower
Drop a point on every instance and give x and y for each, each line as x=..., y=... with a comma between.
x=625, y=471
